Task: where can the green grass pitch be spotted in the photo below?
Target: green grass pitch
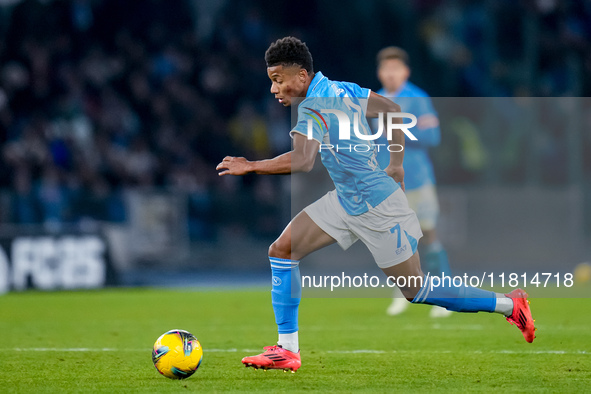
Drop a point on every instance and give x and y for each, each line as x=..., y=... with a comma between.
x=101, y=341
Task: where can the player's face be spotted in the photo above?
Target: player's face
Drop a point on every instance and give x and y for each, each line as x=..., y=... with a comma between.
x=287, y=82
x=392, y=73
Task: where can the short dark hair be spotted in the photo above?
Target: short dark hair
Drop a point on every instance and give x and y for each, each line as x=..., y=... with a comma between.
x=392, y=53
x=289, y=51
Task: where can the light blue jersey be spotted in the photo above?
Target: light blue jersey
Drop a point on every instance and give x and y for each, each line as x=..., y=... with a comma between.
x=418, y=169
x=351, y=162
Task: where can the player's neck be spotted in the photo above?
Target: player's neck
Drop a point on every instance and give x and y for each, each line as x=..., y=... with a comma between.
x=393, y=92
x=307, y=85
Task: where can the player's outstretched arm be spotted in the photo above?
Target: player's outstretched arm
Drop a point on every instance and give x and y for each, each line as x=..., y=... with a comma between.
x=379, y=104
x=300, y=159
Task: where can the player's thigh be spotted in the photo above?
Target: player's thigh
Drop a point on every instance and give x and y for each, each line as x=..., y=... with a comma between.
x=307, y=236
x=300, y=238
x=390, y=230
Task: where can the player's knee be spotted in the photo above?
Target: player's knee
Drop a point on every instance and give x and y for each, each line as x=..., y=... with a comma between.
x=280, y=249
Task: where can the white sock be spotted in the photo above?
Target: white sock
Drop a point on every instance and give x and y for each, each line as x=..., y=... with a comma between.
x=504, y=305
x=289, y=342
x=397, y=293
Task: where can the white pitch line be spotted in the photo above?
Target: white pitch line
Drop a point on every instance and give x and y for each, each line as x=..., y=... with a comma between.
x=578, y=352
x=67, y=349
x=356, y=351
x=107, y=349
x=437, y=326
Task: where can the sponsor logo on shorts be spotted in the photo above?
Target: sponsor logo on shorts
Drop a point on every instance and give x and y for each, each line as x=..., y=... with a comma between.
x=400, y=250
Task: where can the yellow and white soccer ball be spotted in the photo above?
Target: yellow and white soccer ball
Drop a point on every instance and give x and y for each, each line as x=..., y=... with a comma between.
x=177, y=354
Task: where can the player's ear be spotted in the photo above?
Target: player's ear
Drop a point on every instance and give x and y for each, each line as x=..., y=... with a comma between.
x=303, y=75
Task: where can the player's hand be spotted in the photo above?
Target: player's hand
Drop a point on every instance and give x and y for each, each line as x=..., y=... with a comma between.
x=233, y=166
x=396, y=172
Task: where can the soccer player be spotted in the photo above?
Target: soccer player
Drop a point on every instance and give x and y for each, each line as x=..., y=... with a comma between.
x=419, y=179
x=368, y=202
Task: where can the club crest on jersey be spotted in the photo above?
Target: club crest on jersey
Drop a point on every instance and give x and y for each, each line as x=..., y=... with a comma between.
x=338, y=91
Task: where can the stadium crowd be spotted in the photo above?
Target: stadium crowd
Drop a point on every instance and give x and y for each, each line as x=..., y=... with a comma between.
x=97, y=97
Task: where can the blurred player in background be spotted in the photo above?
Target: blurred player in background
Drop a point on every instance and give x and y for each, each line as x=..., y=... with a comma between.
x=368, y=202
x=419, y=179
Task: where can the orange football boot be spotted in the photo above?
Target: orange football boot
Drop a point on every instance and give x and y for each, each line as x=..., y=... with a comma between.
x=521, y=315
x=274, y=357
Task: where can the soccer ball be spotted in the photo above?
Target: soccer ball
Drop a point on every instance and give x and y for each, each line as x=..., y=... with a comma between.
x=177, y=354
